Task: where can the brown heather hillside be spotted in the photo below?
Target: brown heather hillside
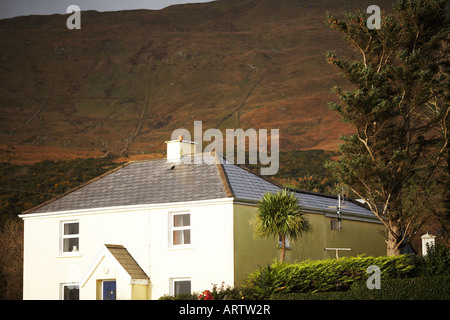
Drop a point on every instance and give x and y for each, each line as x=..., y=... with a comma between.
x=127, y=79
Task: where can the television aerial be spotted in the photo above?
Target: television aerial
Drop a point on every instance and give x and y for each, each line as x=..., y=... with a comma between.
x=341, y=205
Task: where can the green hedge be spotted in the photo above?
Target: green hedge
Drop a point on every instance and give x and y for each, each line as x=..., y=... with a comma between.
x=426, y=288
x=435, y=263
x=337, y=295
x=324, y=275
x=402, y=277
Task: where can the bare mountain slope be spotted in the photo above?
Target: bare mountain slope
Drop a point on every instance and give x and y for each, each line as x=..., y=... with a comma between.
x=127, y=79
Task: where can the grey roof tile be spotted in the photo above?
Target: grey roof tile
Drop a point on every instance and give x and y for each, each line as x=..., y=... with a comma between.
x=144, y=182
x=157, y=181
x=247, y=185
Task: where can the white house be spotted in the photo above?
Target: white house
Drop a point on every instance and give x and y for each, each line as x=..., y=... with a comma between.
x=157, y=227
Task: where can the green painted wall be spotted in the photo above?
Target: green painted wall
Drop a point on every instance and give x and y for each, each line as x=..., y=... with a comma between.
x=251, y=253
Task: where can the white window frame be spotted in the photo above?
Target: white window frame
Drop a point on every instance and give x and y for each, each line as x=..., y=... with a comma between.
x=63, y=285
x=173, y=281
x=69, y=236
x=172, y=228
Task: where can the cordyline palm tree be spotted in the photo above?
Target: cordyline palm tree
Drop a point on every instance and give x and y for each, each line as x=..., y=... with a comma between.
x=279, y=215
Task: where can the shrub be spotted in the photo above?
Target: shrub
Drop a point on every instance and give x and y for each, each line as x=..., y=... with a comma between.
x=324, y=275
x=233, y=293
x=184, y=296
x=206, y=295
x=217, y=293
x=337, y=295
x=429, y=288
x=435, y=263
x=423, y=288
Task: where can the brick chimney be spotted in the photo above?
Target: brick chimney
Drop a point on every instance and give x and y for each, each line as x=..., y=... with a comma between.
x=176, y=149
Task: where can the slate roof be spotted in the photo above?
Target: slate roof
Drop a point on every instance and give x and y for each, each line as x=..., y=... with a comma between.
x=249, y=186
x=124, y=258
x=157, y=181
x=143, y=182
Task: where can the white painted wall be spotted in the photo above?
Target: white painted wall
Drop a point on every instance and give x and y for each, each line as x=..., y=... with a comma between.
x=45, y=268
x=144, y=231
x=209, y=259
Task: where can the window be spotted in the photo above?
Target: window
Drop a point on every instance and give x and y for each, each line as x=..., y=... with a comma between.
x=70, y=291
x=336, y=224
x=181, y=229
x=181, y=286
x=70, y=237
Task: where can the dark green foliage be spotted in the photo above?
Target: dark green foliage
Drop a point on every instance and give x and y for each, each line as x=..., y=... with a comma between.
x=435, y=263
x=424, y=288
x=432, y=288
x=336, y=295
x=399, y=112
x=315, y=183
x=402, y=277
x=25, y=186
x=298, y=166
x=299, y=163
x=324, y=275
x=279, y=215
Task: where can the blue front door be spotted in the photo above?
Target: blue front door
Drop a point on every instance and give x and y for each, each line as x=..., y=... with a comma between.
x=109, y=290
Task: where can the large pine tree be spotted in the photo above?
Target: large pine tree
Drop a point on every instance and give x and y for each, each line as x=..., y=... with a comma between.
x=400, y=111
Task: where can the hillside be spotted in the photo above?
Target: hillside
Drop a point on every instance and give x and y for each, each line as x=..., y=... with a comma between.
x=127, y=79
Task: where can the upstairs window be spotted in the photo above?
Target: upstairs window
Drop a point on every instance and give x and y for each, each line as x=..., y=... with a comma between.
x=70, y=237
x=180, y=229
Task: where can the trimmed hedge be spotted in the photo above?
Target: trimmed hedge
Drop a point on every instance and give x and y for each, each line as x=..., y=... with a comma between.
x=324, y=275
x=337, y=295
x=426, y=288
x=402, y=278
x=429, y=288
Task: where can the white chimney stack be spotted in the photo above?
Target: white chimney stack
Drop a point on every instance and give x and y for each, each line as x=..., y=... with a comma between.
x=177, y=149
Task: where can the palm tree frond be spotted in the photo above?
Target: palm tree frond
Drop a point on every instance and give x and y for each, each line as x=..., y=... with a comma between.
x=280, y=214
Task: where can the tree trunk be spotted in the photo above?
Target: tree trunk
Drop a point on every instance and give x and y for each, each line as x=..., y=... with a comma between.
x=394, y=241
x=283, y=248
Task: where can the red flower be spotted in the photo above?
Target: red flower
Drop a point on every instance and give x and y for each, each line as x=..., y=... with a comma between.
x=206, y=295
